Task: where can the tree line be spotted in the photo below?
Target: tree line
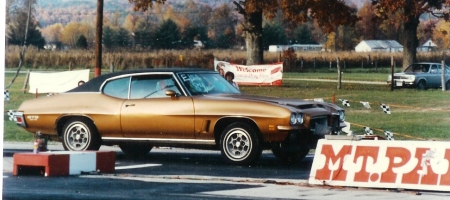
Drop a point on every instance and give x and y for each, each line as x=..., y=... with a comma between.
x=176, y=26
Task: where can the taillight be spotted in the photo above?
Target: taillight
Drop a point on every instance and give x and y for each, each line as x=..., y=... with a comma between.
x=19, y=119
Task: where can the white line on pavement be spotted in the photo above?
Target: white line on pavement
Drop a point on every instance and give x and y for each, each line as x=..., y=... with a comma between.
x=137, y=166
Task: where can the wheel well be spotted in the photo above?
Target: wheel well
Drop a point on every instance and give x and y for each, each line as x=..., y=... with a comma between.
x=63, y=120
x=224, y=122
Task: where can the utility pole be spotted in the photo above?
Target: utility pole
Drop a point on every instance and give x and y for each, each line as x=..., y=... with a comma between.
x=98, y=39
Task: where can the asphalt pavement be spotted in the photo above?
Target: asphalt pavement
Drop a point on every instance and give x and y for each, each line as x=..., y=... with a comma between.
x=169, y=186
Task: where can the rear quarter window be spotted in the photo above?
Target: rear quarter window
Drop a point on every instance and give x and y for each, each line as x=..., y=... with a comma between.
x=117, y=88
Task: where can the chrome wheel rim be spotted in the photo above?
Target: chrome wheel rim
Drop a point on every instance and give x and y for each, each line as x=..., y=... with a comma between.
x=237, y=144
x=77, y=137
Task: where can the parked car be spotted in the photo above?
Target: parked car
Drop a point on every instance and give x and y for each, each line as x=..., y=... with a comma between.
x=189, y=108
x=422, y=75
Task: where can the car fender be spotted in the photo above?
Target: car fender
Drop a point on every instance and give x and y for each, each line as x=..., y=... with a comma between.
x=62, y=119
x=420, y=79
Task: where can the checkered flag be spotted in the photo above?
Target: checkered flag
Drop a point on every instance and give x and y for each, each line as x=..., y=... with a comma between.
x=6, y=92
x=345, y=102
x=11, y=115
x=368, y=130
x=389, y=135
x=365, y=104
x=385, y=109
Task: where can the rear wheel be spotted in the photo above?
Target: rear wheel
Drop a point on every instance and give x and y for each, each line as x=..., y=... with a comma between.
x=447, y=85
x=80, y=135
x=421, y=85
x=289, y=156
x=135, y=149
x=240, y=144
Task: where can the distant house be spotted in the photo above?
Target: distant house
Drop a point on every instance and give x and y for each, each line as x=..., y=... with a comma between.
x=278, y=48
x=307, y=47
x=198, y=44
x=429, y=45
x=295, y=47
x=50, y=46
x=379, y=46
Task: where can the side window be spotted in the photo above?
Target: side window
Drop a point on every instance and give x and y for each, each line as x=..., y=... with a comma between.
x=117, y=88
x=151, y=86
x=436, y=69
x=425, y=68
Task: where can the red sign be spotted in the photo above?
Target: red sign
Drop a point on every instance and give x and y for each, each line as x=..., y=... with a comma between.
x=382, y=164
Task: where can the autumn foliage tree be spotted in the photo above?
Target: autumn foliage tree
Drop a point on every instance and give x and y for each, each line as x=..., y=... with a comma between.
x=15, y=29
x=328, y=14
x=411, y=11
x=72, y=31
x=441, y=34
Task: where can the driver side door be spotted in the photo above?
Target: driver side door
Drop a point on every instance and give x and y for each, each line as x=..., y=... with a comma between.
x=148, y=113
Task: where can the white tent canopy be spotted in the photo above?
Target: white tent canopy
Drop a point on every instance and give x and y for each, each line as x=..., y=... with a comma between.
x=56, y=82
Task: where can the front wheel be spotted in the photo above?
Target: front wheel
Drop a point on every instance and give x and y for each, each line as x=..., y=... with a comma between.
x=240, y=144
x=421, y=85
x=80, y=135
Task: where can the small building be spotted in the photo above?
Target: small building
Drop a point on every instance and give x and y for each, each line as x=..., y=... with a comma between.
x=198, y=44
x=429, y=45
x=295, y=47
x=50, y=47
x=379, y=46
x=307, y=47
x=278, y=48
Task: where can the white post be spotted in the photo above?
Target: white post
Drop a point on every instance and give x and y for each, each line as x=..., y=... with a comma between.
x=443, y=75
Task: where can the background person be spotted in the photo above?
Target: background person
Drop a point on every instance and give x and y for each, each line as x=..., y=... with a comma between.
x=220, y=68
x=230, y=77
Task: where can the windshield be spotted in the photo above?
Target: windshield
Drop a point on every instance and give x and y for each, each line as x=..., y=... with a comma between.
x=418, y=68
x=206, y=83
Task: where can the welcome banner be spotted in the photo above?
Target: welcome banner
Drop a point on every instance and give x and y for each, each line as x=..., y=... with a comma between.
x=56, y=82
x=268, y=74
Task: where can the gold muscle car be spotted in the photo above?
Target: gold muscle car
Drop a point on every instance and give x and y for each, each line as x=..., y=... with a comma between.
x=189, y=108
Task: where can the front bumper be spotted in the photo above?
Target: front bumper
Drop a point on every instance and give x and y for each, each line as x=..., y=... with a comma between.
x=299, y=137
x=404, y=83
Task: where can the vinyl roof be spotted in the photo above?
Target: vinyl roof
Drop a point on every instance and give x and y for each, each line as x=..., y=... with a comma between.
x=94, y=84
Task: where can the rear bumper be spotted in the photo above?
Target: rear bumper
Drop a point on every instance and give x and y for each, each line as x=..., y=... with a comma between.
x=19, y=118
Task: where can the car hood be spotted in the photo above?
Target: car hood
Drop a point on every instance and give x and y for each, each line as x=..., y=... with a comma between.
x=295, y=103
x=407, y=73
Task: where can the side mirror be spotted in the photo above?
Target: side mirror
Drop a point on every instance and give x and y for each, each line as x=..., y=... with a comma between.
x=171, y=93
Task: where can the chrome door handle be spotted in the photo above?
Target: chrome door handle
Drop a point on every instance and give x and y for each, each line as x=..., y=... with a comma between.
x=127, y=105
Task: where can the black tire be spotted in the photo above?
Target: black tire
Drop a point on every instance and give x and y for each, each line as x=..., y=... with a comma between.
x=240, y=144
x=80, y=135
x=135, y=149
x=421, y=85
x=289, y=156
